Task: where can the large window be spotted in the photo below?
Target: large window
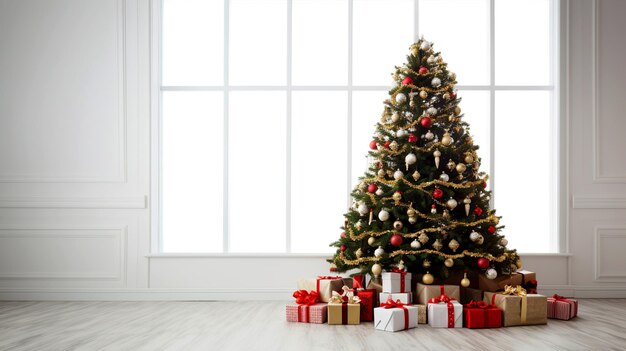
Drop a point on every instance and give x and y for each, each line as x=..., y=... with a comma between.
x=267, y=108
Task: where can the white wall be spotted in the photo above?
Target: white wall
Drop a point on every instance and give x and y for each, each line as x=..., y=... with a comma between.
x=75, y=161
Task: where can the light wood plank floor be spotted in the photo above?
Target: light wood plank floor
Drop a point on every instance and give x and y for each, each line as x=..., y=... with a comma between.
x=601, y=325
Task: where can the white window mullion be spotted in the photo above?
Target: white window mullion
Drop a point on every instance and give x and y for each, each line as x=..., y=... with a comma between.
x=350, y=88
x=226, y=214
x=492, y=100
x=416, y=16
x=288, y=139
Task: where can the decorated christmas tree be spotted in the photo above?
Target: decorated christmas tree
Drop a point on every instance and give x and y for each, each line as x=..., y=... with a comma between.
x=423, y=204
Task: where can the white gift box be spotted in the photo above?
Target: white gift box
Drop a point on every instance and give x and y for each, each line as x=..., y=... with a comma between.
x=438, y=315
x=393, y=319
x=393, y=282
x=405, y=298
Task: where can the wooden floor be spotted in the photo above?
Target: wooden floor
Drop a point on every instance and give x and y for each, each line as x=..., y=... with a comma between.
x=601, y=325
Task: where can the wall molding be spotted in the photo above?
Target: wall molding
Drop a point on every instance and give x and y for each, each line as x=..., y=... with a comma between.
x=120, y=233
x=598, y=202
x=151, y=294
x=137, y=202
x=600, y=276
x=598, y=177
x=122, y=118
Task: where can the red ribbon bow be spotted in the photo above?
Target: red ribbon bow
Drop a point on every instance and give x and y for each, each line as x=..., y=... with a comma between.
x=323, y=277
x=441, y=298
x=392, y=304
x=477, y=304
x=304, y=297
x=559, y=298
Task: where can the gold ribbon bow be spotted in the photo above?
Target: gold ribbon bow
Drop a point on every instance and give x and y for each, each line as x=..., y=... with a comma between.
x=521, y=292
x=347, y=296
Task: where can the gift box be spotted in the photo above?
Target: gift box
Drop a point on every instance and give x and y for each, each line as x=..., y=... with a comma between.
x=376, y=284
x=358, y=282
x=396, y=281
x=422, y=314
x=369, y=300
x=395, y=316
x=323, y=285
x=315, y=313
x=344, y=313
x=405, y=298
x=478, y=314
x=519, y=308
x=497, y=284
x=560, y=307
x=306, y=309
x=470, y=294
x=529, y=281
x=445, y=314
x=425, y=292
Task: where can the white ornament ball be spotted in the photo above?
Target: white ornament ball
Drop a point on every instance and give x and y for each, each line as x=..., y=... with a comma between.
x=412, y=220
x=410, y=159
x=415, y=244
x=444, y=177
x=397, y=175
x=425, y=45
x=379, y=251
x=504, y=242
x=491, y=273
x=431, y=59
x=383, y=215
x=363, y=210
x=395, y=117
x=400, y=133
x=371, y=240
x=431, y=111
x=429, y=135
x=451, y=203
x=436, y=82
x=474, y=236
x=394, y=83
x=400, y=98
x=379, y=192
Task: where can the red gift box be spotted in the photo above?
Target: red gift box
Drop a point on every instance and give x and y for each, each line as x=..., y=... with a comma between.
x=369, y=300
x=562, y=308
x=480, y=315
x=307, y=309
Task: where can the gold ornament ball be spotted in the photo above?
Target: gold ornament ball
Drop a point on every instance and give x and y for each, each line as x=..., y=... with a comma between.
x=381, y=173
x=469, y=158
x=371, y=241
x=411, y=212
x=461, y=168
x=428, y=278
x=423, y=94
x=451, y=164
x=377, y=269
x=446, y=139
x=396, y=196
x=465, y=282
x=448, y=262
x=414, y=50
x=397, y=225
x=426, y=264
x=446, y=96
x=457, y=110
x=518, y=263
x=358, y=253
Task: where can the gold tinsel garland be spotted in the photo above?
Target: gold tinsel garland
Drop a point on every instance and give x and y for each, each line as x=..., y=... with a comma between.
x=452, y=225
x=424, y=185
x=465, y=253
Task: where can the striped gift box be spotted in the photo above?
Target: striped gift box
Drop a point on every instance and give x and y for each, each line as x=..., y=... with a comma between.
x=316, y=313
x=562, y=308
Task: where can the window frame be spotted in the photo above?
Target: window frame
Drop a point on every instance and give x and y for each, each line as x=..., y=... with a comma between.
x=559, y=180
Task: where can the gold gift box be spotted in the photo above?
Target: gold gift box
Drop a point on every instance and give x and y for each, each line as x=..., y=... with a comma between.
x=335, y=313
x=512, y=308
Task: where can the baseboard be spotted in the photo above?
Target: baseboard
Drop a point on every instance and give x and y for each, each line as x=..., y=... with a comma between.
x=147, y=294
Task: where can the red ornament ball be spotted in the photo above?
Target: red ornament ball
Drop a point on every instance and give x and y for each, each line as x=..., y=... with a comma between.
x=485, y=185
x=342, y=248
x=396, y=240
x=373, y=145
x=387, y=144
x=407, y=81
x=372, y=188
x=491, y=229
x=478, y=211
x=482, y=263
x=452, y=96
x=426, y=122
x=412, y=138
x=422, y=70
x=437, y=193
x=343, y=235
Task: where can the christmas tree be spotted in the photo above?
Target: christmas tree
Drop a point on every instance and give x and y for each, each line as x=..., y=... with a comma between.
x=423, y=204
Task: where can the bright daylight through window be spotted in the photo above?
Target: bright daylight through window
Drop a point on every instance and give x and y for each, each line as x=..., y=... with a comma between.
x=268, y=108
